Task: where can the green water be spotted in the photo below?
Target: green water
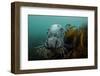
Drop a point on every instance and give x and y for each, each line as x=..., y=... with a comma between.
x=39, y=24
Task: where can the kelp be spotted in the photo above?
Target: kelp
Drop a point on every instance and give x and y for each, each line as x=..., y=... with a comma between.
x=76, y=40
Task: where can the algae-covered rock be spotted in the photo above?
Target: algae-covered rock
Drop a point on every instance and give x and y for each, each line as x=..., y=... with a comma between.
x=46, y=53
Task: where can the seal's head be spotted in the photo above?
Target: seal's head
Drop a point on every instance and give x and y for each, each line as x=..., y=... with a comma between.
x=55, y=36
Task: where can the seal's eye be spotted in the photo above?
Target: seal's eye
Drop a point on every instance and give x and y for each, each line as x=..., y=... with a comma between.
x=62, y=30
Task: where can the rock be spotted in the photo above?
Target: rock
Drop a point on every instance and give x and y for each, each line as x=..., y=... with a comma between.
x=46, y=53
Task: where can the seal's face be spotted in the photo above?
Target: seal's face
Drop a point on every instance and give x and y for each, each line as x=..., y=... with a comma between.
x=55, y=36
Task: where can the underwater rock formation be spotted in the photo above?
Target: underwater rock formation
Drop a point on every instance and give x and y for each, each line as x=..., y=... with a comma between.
x=45, y=53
